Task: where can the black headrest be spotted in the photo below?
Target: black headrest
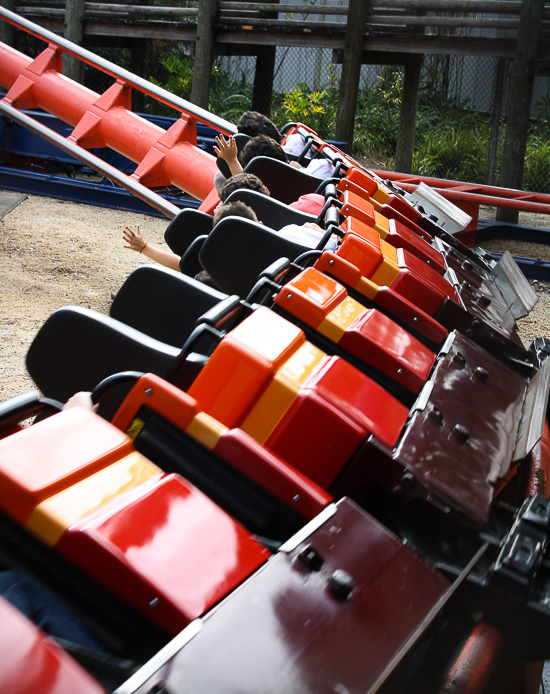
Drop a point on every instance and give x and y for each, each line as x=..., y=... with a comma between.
x=238, y=250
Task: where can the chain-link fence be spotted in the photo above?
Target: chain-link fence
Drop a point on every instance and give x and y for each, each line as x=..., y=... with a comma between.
x=461, y=118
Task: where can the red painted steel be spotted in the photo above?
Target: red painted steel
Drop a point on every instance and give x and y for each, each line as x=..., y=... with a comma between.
x=164, y=156
x=458, y=192
x=187, y=556
x=289, y=628
x=472, y=670
x=32, y=662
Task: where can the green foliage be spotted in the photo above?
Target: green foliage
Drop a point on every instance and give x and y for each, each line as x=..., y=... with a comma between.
x=452, y=140
x=536, y=174
x=377, y=115
x=460, y=154
x=229, y=98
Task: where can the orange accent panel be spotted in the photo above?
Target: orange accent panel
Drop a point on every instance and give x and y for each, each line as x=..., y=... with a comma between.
x=333, y=264
x=363, y=180
x=52, y=517
x=53, y=454
x=368, y=288
x=366, y=257
x=381, y=196
x=311, y=296
x=243, y=364
x=280, y=393
x=381, y=224
x=206, y=430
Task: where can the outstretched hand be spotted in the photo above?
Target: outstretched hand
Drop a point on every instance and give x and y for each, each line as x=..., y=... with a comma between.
x=226, y=149
x=133, y=239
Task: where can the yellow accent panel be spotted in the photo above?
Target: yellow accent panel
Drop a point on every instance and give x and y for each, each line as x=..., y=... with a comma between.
x=380, y=196
x=52, y=517
x=389, y=251
x=206, y=430
x=340, y=318
x=280, y=394
x=136, y=425
x=367, y=288
x=388, y=270
x=381, y=224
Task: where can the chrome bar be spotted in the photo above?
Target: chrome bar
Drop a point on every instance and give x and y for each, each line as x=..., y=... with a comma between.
x=111, y=69
x=91, y=160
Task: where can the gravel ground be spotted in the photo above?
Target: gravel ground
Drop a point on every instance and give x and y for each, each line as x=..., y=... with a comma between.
x=55, y=253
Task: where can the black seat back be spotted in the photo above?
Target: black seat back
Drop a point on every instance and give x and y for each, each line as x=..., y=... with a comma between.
x=238, y=250
x=185, y=227
x=76, y=348
x=271, y=212
x=163, y=303
x=285, y=182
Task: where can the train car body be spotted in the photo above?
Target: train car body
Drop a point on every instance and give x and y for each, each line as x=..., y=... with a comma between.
x=328, y=474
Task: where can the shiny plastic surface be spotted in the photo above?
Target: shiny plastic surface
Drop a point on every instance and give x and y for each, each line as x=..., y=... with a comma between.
x=33, y=663
x=53, y=454
x=313, y=639
x=181, y=561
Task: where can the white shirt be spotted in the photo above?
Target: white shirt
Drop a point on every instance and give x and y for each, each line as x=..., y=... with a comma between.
x=306, y=236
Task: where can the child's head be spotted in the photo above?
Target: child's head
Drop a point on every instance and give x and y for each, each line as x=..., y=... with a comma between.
x=241, y=180
x=237, y=209
x=262, y=146
x=253, y=123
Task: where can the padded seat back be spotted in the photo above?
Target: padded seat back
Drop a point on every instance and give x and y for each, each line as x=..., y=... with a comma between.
x=285, y=182
x=238, y=250
x=185, y=227
x=76, y=348
x=163, y=303
x=271, y=212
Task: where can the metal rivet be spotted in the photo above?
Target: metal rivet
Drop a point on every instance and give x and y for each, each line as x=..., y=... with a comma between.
x=415, y=319
x=155, y=602
x=149, y=392
x=341, y=584
x=289, y=296
x=399, y=372
x=331, y=262
x=482, y=374
x=460, y=432
x=296, y=498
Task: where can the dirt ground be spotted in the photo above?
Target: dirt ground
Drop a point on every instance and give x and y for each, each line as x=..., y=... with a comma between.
x=55, y=253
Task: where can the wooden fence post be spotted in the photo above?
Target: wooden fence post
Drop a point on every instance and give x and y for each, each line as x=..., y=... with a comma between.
x=519, y=102
x=204, y=53
x=74, y=11
x=407, y=114
x=351, y=69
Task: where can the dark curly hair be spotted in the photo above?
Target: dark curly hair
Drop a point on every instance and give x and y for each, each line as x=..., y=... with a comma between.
x=241, y=180
x=262, y=146
x=237, y=209
x=254, y=123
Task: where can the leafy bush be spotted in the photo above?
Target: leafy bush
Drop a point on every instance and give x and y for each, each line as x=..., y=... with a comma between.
x=536, y=174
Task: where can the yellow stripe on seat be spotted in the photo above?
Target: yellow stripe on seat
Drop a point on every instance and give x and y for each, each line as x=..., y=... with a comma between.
x=340, y=318
x=206, y=430
x=49, y=520
x=281, y=392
